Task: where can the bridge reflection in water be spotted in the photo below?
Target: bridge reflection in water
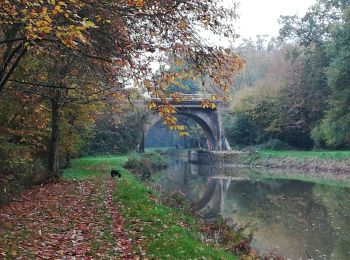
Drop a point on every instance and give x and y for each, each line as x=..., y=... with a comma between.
x=300, y=218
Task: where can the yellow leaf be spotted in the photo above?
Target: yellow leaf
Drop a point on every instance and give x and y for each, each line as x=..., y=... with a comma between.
x=182, y=133
x=58, y=9
x=139, y=3
x=182, y=25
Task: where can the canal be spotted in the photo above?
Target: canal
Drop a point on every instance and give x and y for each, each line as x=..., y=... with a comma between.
x=298, y=219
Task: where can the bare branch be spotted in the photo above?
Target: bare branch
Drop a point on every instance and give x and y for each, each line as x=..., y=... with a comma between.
x=12, y=40
x=5, y=78
x=40, y=84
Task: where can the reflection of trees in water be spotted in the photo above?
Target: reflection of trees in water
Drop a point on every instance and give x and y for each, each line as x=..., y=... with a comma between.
x=185, y=177
x=290, y=214
x=289, y=204
x=337, y=201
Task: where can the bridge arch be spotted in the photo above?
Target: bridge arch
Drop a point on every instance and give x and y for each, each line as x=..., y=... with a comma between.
x=207, y=118
x=212, y=142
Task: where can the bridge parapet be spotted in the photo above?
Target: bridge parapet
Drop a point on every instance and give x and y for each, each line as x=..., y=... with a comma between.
x=188, y=99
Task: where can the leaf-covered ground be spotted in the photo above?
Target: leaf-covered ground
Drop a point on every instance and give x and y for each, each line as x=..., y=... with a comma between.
x=83, y=216
x=64, y=219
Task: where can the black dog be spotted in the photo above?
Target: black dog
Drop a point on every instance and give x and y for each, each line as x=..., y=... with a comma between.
x=115, y=173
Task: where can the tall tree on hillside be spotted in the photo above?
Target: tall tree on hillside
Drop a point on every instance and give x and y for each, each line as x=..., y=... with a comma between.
x=312, y=32
x=334, y=129
x=313, y=29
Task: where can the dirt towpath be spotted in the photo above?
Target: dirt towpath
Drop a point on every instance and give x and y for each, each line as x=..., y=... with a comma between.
x=64, y=220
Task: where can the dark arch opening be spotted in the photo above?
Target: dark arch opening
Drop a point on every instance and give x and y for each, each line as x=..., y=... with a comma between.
x=157, y=121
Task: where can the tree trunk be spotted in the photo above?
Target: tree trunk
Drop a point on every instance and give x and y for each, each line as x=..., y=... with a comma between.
x=68, y=160
x=55, y=137
x=142, y=144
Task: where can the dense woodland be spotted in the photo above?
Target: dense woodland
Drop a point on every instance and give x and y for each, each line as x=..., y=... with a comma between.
x=71, y=73
x=295, y=89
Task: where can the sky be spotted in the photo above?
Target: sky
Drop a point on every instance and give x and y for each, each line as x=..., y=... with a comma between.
x=261, y=16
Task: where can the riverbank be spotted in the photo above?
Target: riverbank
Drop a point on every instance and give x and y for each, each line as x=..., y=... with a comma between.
x=158, y=231
x=89, y=215
x=297, y=216
x=329, y=164
x=325, y=164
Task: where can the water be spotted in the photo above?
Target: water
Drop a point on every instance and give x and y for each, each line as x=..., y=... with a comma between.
x=299, y=219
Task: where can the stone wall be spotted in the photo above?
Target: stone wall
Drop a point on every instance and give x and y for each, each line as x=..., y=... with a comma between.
x=214, y=157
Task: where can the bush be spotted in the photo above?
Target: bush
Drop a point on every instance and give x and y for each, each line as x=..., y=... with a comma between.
x=318, y=136
x=142, y=164
x=155, y=159
x=331, y=134
x=112, y=137
x=275, y=145
x=240, y=131
x=175, y=199
x=18, y=170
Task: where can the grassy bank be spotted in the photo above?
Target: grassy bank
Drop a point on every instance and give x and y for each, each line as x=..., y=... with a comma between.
x=324, y=164
x=159, y=231
x=156, y=231
x=85, y=168
x=334, y=155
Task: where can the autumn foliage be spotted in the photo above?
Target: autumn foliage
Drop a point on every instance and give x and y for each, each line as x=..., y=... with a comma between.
x=62, y=63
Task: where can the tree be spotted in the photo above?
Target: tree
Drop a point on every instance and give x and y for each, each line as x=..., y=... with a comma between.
x=313, y=33
x=321, y=55
x=334, y=128
x=104, y=46
x=281, y=102
x=60, y=85
x=76, y=128
x=185, y=84
x=313, y=29
x=33, y=24
x=115, y=132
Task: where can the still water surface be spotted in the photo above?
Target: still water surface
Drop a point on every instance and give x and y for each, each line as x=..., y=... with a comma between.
x=301, y=219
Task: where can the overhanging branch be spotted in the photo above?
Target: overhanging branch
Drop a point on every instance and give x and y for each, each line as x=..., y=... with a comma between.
x=40, y=84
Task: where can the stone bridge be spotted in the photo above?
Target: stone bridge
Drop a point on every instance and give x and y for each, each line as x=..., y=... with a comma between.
x=207, y=118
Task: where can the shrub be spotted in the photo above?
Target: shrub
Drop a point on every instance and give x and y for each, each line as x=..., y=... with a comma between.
x=18, y=170
x=142, y=164
x=240, y=131
x=331, y=134
x=175, y=199
x=155, y=159
x=275, y=145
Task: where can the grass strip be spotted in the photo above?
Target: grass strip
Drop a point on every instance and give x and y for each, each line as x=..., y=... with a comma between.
x=88, y=167
x=158, y=231
x=335, y=155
